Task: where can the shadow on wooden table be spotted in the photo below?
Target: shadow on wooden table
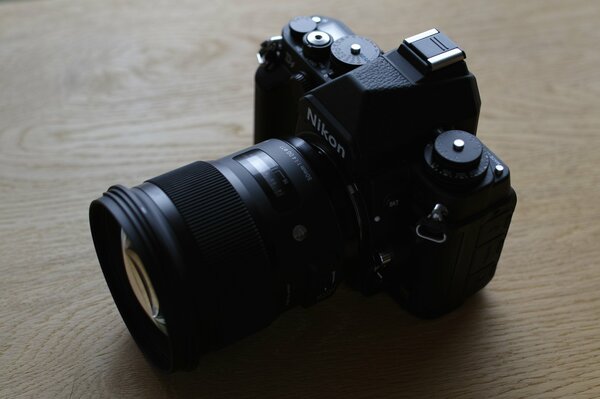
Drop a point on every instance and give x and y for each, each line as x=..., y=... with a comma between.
x=348, y=346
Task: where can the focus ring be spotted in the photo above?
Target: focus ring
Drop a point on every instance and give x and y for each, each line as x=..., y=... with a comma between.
x=214, y=213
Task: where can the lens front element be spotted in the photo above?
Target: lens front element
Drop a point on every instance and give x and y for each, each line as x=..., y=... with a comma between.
x=141, y=284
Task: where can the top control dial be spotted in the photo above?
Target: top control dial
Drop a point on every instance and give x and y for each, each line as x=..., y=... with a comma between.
x=352, y=51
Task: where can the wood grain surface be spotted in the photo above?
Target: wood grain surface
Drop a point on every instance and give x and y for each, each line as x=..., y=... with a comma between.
x=100, y=92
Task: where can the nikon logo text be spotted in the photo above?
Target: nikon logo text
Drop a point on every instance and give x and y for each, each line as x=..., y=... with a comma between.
x=320, y=127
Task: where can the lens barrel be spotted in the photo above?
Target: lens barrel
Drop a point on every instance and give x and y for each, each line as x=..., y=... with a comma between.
x=226, y=246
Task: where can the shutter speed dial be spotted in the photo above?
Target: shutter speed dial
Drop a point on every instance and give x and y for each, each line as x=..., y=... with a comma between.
x=352, y=51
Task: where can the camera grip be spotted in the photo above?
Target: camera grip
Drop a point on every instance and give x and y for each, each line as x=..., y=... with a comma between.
x=440, y=275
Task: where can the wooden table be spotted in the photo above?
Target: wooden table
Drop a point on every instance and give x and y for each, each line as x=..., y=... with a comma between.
x=98, y=92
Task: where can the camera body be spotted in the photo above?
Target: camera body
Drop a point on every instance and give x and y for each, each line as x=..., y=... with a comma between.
x=366, y=168
x=431, y=205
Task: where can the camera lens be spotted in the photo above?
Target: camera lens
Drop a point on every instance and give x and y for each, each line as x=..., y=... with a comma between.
x=211, y=252
x=141, y=284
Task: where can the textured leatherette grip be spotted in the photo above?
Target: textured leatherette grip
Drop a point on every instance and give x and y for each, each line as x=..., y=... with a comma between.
x=380, y=76
x=214, y=213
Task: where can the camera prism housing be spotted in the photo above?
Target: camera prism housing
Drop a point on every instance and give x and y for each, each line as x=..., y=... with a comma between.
x=432, y=214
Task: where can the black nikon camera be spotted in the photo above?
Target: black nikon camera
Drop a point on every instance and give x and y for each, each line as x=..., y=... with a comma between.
x=366, y=169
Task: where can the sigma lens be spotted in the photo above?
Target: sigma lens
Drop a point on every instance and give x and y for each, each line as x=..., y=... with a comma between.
x=213, y=251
